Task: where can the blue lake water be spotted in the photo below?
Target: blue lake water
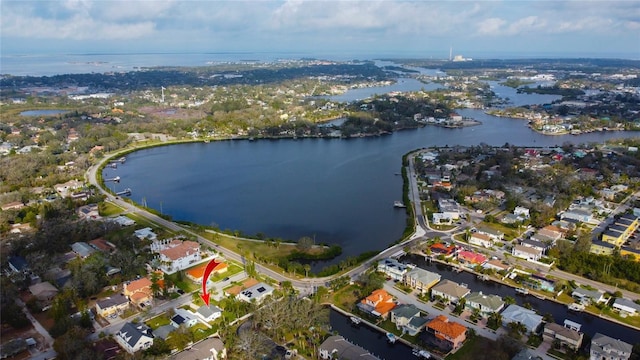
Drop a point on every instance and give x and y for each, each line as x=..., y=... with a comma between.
x=46, y=112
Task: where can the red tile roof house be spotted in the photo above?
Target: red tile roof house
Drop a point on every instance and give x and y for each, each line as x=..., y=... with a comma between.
x=451, y=333
x=441, y=249
x=139, y=292
x=379, y=303
x=179, y=255
x=471, y=258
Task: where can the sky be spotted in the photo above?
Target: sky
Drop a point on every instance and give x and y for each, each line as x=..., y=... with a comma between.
x=509, y=28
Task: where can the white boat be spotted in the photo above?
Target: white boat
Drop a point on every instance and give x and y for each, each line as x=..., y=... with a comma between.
x=399, y=204
x=392, y=338
x=522, y=291
x=422, y=354
x=575, y=307
x=355, y=320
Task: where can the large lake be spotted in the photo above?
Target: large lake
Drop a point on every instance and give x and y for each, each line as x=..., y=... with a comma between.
x=336, y=190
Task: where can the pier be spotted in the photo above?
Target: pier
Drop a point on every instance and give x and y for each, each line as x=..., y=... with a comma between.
x=115, y=179
x=125, y=192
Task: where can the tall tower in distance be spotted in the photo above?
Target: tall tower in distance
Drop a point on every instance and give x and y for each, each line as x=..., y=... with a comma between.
x=450, y=53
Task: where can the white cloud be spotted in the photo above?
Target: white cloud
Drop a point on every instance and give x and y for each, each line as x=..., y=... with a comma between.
x=491, y=26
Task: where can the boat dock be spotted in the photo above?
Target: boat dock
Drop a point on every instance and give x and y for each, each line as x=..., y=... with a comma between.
x=125, y=192
x=115, y=179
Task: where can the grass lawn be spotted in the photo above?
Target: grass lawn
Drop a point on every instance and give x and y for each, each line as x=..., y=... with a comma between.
x=200, y=331
x=631, y=320
x=346, y=297
x=467, y=351
x=565, y=298
x=110, y=209
x=160, y=320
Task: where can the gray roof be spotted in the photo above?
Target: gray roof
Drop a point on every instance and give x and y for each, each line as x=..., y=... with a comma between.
x=593, y=294
x=113, y=300
x=405, y=311
x=82, y=248
x=526, y=317
x=207, y=311
x=422, y=275
x=563, y=331
x=604, y=343
x=627, y=303
x=451, y=288
x=534, y=243
x=201, y=350
x=132, y=333
x=417, y=321
x=164, y=331
x=490, y=301
x=344, y=349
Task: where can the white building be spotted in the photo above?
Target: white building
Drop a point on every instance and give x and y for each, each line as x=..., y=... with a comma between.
x=392, y=268
x=608, y=348
x=481, y=240
x=528, y=253
x=626, y=306
x=178, y=255
x=134, y=337
x=257, y=292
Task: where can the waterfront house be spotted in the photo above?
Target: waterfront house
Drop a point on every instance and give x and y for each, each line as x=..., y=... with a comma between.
x=496, y=264
x=134, y=337
x=407, y=318
x=449, y=291
x=481, y=240
x=379, y=303
x=392, y=268
x=471, y=258
x=486, y=304
x=566, y=336
x=337, y=347
x=139, y=292
x=449, y=333
x=626, y=307
x=442, y=249
x=528, y=253
x=605, y=347
x=520, y=315
x=585, y=296
x=113, y=305
x=178, y=255
x=420, y=279
x=209, y=349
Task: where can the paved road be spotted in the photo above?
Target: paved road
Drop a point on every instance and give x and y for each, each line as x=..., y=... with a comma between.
x=48, y=352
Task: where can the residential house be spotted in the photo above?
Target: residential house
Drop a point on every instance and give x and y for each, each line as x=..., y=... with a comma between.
x=528, y=253
x=179, y=255
x=481, y=240
x=567, y=337
x=601, y=248
x=134, y=337
x=450, y=332
x=585, y=296
x=89, y=211
x=337, y=347
x=145, y=233
x=449, y=291
x=379, y=303
x=535, y=244
x=18, y=264
x=209, y=313
x=209, y=349
x=15, y=205
x=496, y=264
x=197, y=272
x=67, y=188
x=486, y=304
x=626, y=306
x=43, y=291
x=552, y=232
x=82, y=249
x=139, y=292
x=392, y=268
x=580, y=215
x=183, y=317
x=442, y=249
x=112, y=306
x=407, y=318
x=520, y=315
x=102, y=245
x=608, y=348
x=494, y=234
x=420, y=279
x=522, y=212
x=123, y=221
x=449, y=208
x=256, y=293
x=471, y=258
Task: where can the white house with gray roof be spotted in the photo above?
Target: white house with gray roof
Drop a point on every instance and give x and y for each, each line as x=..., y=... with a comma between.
x=208, y=313
x=486, y=304
x=134, y=337
x=392, y=268
x=626, y=306
x=585, y=296
x=608, y=348
x=407, y=318
x=337, y=347
x=520, y=315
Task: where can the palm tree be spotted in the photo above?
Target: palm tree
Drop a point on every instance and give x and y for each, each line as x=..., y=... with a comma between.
x=495, y=319
x=307, y=268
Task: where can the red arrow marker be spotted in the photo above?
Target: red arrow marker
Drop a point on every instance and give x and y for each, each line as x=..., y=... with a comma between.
x=205, y=278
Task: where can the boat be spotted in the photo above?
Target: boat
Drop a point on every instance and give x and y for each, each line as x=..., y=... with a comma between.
x=522, y=290
x=355, y=320
x=399, y=204
x=392, y=338
x=575, y=307
x=422, y=354
x=483, y=277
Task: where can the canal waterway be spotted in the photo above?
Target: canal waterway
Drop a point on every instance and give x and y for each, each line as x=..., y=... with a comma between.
x=591, y=324
x=373, y=341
